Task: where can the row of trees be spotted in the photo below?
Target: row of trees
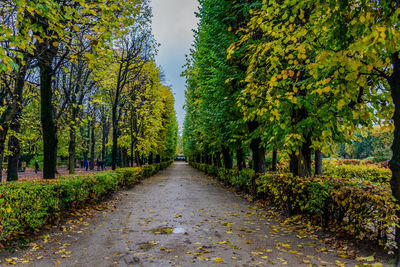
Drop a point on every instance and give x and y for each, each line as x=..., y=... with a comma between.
x=88, y=66
x=294, y=76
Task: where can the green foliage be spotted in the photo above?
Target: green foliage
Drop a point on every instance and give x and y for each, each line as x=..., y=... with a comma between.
x=366, y=172
x=26, y=206
x=358, y=208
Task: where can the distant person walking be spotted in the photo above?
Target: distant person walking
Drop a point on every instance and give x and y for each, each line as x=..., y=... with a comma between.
x=86, y=164
x=36, y=166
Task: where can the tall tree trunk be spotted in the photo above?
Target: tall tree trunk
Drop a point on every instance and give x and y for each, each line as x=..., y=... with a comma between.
x=158, y=158
x=14, y=148
x=3, y=135
x=12, y=111
x=318, y=162
x=394, y=82
x=114, y=138
x=87, y=149
x=93, y=143
x=47, y=119
x=228, y=162
x=302, y=161
x=71, y=150
x=132, y=149
x=217, y=159
x=274, y=160
x=151, y=158
x=259, y=164
x=240, y=159
x=137, y=158
x=106, y=130
x=258, y=151
x=120, y=160
x=209, y=159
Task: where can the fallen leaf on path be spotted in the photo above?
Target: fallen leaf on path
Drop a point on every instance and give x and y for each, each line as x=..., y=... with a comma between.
x=218, y=260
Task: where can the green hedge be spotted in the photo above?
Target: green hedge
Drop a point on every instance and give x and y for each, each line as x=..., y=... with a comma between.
x=28, y=205
x=367, y=172
x=359, y=208
x=233, y=177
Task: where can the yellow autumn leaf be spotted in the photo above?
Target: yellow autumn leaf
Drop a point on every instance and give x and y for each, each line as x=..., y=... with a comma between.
x=218, y=260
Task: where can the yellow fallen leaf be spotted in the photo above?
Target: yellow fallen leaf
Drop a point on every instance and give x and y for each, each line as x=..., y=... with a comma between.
x=284, y=245
x=370, y=258
x=218, y=260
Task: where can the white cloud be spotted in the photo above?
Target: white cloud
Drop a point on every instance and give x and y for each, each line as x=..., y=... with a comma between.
x=173, y=21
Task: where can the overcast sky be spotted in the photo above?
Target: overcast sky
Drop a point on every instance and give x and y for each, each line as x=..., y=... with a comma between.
x=173, y=21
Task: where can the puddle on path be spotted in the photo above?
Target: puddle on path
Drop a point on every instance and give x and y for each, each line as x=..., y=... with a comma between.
x=167, y=230
x=179, y=231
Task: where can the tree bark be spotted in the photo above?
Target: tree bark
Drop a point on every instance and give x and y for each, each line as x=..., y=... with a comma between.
x=274, y=160
x=104, y=137
x=114, y=138
x=158, y=159
x=302, y=162
x=215, y=159
x=93, y=143
x=3, y=135
x=228, y=162
x=14, y=148
x=318, y=162
x=137, y=158
x=151, y=158
x=71, y=150
x=259, y=164
x=258, y=151
x=394, y=82
x=240, y=159
x=47, y=119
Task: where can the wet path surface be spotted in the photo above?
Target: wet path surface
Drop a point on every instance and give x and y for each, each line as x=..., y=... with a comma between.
x=179, y=217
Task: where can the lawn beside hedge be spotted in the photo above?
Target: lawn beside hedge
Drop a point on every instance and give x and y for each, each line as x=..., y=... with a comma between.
x=361, y=209
x=26, y=206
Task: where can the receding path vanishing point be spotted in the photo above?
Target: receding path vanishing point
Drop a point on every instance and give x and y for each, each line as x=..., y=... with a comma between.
x=179, y=217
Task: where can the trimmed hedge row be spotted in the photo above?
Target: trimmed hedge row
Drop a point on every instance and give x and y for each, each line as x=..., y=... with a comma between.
x=28, y=205
x=359, y=208
x=367, y=172
x=233, y=177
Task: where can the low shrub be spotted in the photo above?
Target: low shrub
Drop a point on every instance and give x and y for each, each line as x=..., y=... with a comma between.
x=359, y=208
x=26, y=206
x=367, y=172
x=356, y=207
x=233, y=177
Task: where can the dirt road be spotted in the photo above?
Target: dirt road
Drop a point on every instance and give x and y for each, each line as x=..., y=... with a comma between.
x=179, y=217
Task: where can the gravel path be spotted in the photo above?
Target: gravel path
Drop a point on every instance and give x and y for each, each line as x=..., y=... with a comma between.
x=179, y=217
